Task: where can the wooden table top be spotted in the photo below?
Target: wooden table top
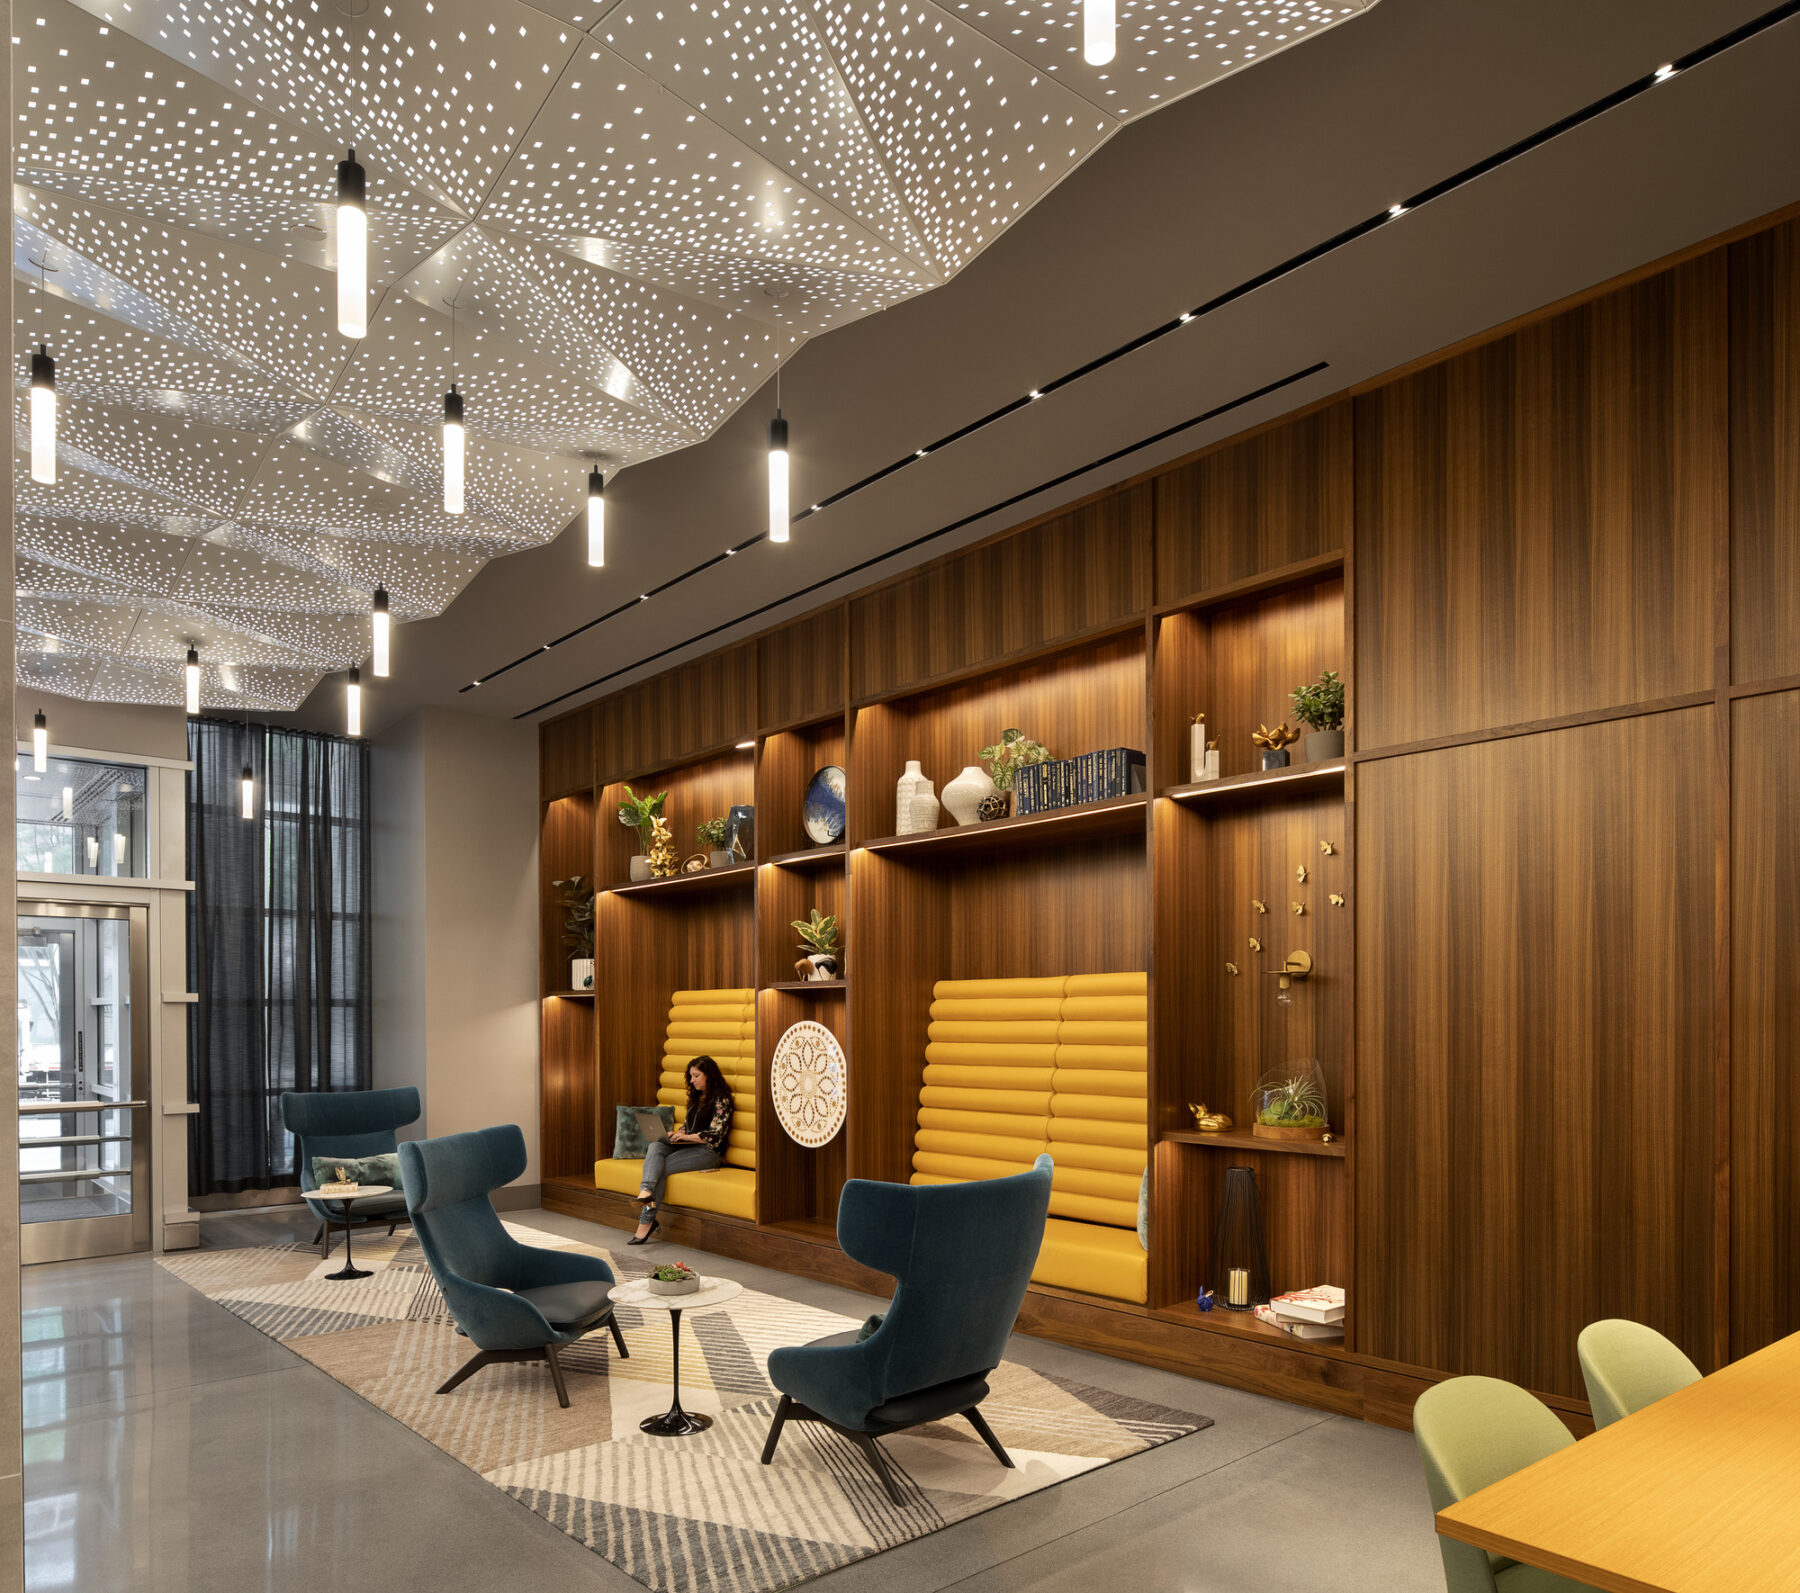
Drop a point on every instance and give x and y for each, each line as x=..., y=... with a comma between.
x=1694, y=1494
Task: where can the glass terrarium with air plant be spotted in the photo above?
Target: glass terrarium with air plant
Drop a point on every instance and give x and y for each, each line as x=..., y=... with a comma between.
x=1289, y=1102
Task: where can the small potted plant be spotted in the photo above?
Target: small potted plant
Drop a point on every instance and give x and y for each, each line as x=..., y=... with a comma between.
x=578, y=928
x=818, y=962
x=715, y=836
x=640, y=813
x=673, y=1277
x=1011, y=753
x=1321, y=706
x=1289, y=1103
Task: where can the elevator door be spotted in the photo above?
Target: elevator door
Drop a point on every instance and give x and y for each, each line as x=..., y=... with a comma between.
x=84, y=1073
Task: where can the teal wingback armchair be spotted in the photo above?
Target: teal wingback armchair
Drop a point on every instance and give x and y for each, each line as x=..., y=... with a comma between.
x=348, y=1123
x=515, y=1302
x=962, y=1256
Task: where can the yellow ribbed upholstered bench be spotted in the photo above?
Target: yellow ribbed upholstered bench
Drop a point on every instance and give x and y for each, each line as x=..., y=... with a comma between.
x=1017, y=1067
x=720, y=1024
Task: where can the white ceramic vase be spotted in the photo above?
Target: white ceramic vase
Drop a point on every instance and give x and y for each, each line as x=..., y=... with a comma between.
x=1196, y=753
x=905, y=789
x=964, y=795
x=924, y=811
x=581, y=973
x=640, y=868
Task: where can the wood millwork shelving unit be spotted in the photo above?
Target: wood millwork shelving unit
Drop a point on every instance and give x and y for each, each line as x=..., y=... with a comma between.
x=1546, y=893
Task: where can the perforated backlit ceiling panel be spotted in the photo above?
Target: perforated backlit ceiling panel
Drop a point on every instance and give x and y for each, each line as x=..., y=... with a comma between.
x=608, y=223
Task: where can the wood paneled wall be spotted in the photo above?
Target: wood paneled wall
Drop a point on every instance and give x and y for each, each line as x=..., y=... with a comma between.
x=1561, y=573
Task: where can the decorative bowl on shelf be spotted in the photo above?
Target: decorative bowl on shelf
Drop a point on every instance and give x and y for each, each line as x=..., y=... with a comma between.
x=823, y=810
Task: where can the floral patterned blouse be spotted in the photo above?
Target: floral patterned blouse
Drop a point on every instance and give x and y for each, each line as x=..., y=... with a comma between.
x=712, y=1124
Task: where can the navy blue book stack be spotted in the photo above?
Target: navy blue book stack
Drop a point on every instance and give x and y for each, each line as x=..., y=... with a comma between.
x=1069, y=782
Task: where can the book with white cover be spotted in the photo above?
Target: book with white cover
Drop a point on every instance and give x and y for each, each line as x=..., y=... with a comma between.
x=1324, y=1305
x=1299, y=1330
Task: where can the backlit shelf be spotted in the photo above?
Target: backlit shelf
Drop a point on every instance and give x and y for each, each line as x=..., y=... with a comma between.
x=1117, y=816
x=1243, y=1140
x=1265, y=785
x=707, y=879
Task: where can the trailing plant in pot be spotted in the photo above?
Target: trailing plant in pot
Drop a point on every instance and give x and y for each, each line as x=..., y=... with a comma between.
x=715, y=836
x=1321, y=707
x=674, y=1277
x=818, y=947
x=640, y=813
x=578, y=928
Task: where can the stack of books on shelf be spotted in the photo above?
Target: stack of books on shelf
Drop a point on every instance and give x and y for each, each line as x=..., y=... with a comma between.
x=1307, y=1313
x=1069, y=782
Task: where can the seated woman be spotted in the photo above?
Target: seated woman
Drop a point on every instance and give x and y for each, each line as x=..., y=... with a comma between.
x=700, y=1143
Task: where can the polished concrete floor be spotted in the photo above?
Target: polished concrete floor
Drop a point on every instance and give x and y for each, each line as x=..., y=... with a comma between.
x=170, y=1446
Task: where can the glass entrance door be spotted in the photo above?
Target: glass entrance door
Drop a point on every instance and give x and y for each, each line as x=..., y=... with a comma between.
x=84, y=1070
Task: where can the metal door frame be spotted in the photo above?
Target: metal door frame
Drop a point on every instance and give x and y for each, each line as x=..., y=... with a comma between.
x=75, y=1238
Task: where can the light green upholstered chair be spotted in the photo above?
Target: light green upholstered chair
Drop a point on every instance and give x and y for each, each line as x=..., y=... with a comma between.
x=1473, y=1431
x=1627, y=1366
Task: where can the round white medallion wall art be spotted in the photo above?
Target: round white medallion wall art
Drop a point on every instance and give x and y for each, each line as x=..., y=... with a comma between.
x=639, y=210
x=806, y=1077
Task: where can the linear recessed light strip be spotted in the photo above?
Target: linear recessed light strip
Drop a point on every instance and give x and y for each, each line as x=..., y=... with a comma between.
x=1393, y=213
x=904, y=547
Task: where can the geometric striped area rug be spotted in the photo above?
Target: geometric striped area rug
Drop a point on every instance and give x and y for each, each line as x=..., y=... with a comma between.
x=680, y=1515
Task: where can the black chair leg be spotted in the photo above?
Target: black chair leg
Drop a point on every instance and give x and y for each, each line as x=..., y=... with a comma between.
x=556, y=1376
x=879, y=1461
x=976, y=1420
x=781, y=1416
x=392, y=1226
x=618, y=1338
x=320, y=1234
x=468, y=1369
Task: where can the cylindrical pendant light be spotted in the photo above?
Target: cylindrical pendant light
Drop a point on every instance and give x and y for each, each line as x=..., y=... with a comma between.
x=68, y=803
x=352, y=249
x=778, y=479
x=382, y=626
x=119, y=847
x=453, y=451
x=193, y=681
x=596, y=519
x=353, y=703
x=43, y=416
x=247, y=793
x=1099, y=24
x=93, y=854
x=40, y=742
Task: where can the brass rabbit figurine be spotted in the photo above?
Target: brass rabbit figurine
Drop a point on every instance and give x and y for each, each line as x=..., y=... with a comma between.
x=1209, y=1122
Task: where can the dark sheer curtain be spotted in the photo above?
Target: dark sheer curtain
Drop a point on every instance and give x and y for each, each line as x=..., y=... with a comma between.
x=278, y=941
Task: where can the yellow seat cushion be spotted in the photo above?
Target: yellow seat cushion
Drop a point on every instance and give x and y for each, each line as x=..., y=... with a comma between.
x=728, y=1191
x=1000, y=989
x=1112, y=984
x=1092, y=1259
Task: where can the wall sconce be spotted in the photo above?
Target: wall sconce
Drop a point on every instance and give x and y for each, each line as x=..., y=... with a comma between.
x=1296, y=965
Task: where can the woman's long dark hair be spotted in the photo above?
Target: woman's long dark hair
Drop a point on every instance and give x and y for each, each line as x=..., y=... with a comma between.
x=716, y=1087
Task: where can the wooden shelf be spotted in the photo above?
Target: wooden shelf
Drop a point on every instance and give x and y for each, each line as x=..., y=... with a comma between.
x=1243, y=1140
x=1245, y=1325
x=1265, y=785
x=708, y=879
x=1117, y=816
x=570, y=995
x=809, y=858
x=819, y=1230
x=809, y=987
x=1303, y=572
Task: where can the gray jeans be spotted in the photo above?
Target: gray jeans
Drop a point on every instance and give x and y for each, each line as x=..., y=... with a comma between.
x=663, y=1158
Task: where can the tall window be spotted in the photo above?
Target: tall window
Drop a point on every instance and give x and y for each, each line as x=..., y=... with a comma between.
x=278, y=941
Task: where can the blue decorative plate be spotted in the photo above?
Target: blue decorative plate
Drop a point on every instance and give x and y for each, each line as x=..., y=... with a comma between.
x=823, y=811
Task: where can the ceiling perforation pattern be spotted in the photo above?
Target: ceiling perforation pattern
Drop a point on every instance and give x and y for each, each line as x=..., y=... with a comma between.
x=608, y=223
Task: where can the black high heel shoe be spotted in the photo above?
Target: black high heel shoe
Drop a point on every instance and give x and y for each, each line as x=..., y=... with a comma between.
x=654, y=1225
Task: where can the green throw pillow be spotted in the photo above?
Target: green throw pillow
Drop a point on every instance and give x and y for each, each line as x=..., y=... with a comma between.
x=628, y=1142
x=382, y=1169
x=1144, y=1210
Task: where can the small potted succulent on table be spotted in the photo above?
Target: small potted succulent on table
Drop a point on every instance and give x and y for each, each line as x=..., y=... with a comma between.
x=640, y=813
x=673, y=1277
x=1320, y=706
x=818, y=934
x=715, y=835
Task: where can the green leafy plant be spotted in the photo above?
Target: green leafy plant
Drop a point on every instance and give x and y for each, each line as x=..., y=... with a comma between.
x=636, y=812
x=1296, y=1102
x=674, y=1272
x=818, y=933
x=578, y=913
x=713, y=832
x=1321, y=705
x=1011, y=753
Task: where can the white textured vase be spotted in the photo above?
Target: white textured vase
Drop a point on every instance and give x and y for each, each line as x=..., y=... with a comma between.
x=640, y=868
x=964, y=795
x=581, y=973
x=924, y=811
x=905, y=789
